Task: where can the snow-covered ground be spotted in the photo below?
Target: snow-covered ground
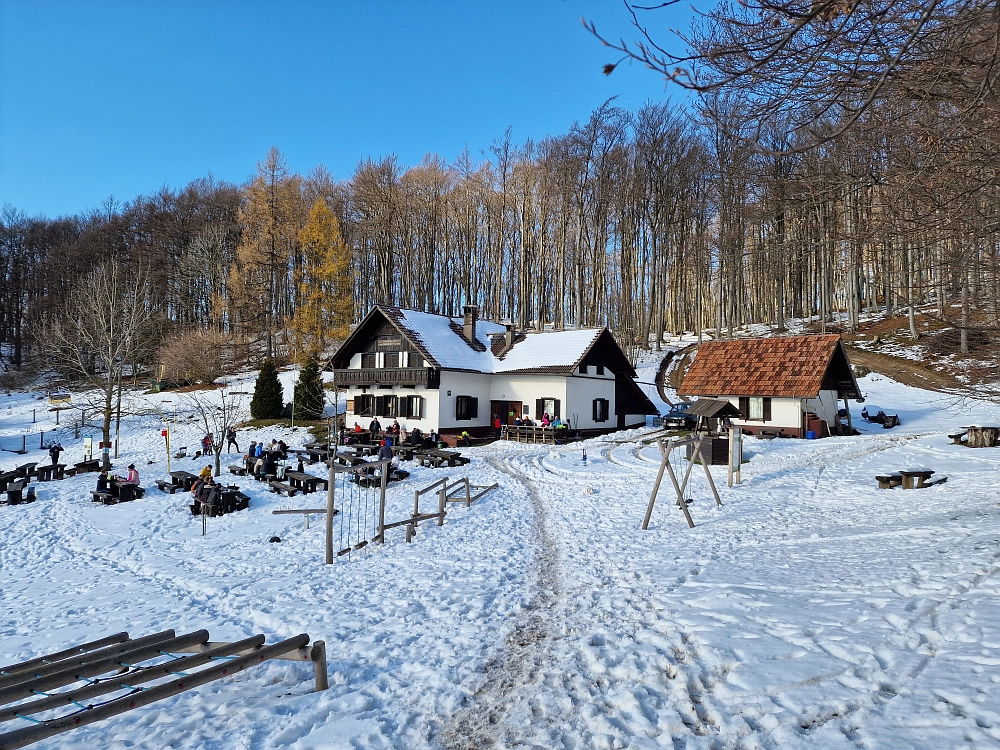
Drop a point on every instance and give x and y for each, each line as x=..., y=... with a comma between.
x=809, y=611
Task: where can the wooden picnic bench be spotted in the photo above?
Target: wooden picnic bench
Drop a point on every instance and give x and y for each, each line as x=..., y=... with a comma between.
x=303, y=482
x=238, y=469
x=48, y=472
x=83, y=467
x=103, y=497
x=183, y=479
x=169, y=487
x=956, y=439
x=888, y=481
x=438, y=458
x=405, y=452
x=25, y=471
x=277, y=486
x=915, y=478
x=16, y=494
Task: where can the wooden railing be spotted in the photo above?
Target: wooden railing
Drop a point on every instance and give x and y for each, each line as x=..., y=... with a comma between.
x=426, y=376
x=532, y=434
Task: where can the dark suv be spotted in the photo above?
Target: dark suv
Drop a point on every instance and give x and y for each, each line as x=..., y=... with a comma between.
x=679, y=419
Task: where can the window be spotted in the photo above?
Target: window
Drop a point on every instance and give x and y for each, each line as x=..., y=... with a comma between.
x=466, y=407
x=755, y=408
x=364, y=406
x=368, y=360
x=391, y=359
x=411, y=406
x=601, y=409
x=414, y=360
x=548, y=406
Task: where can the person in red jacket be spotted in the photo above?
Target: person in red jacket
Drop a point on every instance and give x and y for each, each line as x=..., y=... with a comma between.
x=497, y=426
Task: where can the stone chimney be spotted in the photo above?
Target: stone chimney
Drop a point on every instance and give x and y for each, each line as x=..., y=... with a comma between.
x=469, y=326
x=509, y=336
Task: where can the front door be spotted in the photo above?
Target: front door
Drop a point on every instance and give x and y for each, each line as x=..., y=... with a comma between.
x=506, y=410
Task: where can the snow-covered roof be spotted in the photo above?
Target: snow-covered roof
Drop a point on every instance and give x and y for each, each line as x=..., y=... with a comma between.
x=441, y=339
x=548, y=349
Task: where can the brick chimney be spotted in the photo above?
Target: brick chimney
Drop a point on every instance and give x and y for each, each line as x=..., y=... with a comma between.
x=469, y=326
x=509, y=336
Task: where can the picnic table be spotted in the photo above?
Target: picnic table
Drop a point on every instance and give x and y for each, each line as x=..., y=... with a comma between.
x=316, y=452
x=349, y=458
x=405, y=452
x=83, y=467
x=982, y=436
x=920, y=476
x=126, y=491
x=183, y=479
x=303, y=482
x=437, y=458
x=48, y=472
x=231, y=500
x=24, y=471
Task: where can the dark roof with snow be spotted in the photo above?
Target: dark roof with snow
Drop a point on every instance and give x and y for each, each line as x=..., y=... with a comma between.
x=786, y=366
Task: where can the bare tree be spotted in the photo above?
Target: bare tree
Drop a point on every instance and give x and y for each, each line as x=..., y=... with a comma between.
x=101, y=331
x=218, y=409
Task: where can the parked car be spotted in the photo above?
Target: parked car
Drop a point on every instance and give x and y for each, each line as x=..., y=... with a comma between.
x=679, y=419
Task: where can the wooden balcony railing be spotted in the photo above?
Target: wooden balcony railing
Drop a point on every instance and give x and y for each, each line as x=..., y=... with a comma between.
x=426, y=376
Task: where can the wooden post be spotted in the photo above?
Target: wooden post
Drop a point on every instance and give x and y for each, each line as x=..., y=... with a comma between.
x=656, y=485
x=442, y=502
x=318, y=656
x=331, y=483
x=847, y=408
x=735, y=454
x=680, y=495
x=468, y=493
x=711, y=482
x=381, y=507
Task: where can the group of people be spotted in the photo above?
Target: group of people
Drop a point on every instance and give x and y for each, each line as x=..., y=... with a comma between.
x=208, y=442
x=262, y=459
x=107, y=477
x=205, y=489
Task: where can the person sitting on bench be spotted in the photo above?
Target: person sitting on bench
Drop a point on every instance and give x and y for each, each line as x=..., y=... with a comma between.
x=268, y=466
x=466, y=439
x=132, y=477
x=104, y=480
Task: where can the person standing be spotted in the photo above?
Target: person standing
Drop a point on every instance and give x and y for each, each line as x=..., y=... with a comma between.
x=54, y=452
x=497, y=427
x=231, y=439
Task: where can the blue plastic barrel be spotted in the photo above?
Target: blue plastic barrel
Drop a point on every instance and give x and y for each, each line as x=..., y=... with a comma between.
x=810, y=435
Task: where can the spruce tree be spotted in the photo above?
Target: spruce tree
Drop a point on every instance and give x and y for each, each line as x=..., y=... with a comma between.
x=309, y=397
x=268, y=398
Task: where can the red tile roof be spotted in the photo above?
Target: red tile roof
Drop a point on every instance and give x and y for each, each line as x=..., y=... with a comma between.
x=788, y=366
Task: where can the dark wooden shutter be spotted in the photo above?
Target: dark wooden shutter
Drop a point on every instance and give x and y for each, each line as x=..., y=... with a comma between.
x=555, y=408
x=745, y=407
x=473, y=408
x=767, y=409
x=539, y=408
x=597, y=408
x=402, y=406
x=600, y=369
x=583, y=369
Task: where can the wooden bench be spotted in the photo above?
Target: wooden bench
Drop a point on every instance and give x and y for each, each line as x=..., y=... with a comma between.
x=84, y=466
x=16, y=495
x=888, y=481
x=240, y=471
x=768, y=434
x=103, y=497
x=277, y=486
x=956, y=439
x=169, y=487
x=915, y=479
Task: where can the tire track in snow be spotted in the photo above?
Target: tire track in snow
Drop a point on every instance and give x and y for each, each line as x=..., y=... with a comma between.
x=522, y=659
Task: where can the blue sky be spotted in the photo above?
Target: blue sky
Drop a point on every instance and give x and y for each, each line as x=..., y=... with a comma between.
x=102, y=98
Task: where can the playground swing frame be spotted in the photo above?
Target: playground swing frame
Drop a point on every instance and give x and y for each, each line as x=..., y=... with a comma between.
x=679, y=488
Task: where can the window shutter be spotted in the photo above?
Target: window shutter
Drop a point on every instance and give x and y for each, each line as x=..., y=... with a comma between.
x=745, y=407
x=473, y=408
x=597, y=410
x=402, y=406
x=539, y=408
x=379, y=406
x=767, y=409
x=556, y=409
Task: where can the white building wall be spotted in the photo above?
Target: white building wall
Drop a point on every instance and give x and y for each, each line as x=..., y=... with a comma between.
x=455, y=384
x=825, y=407
x=785, y=412
x=528, y=388
x=581, y=391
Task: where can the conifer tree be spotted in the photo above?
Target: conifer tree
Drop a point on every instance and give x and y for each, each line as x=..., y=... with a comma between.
x=268, y=397
x=309, y=397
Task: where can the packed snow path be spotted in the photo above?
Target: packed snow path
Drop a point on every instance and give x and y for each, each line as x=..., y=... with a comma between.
x=810, y=611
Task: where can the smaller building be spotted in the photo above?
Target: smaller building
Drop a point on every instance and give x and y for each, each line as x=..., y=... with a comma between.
x=788, y=385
